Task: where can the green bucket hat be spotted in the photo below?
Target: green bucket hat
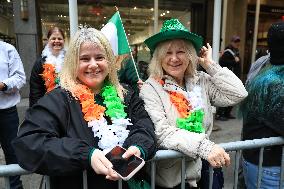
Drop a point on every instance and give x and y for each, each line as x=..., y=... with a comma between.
x=173, y=29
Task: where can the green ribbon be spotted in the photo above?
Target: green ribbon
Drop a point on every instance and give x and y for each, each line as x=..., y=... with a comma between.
x=193, y=122
x=115, y=108
x=57, y=80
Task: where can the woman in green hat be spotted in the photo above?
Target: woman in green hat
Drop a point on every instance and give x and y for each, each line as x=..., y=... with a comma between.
x=179, y=100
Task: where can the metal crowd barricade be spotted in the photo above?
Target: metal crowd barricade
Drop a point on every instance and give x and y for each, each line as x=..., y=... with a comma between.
x=14, y=169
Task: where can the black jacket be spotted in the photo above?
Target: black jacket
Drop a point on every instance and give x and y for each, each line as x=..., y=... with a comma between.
x=263, y=114
x=54, y=139
x=228, y=60
x=37, y=87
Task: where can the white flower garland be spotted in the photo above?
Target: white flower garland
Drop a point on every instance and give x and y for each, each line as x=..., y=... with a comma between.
x=194, y=96
x=110, y=135
x=57, y=61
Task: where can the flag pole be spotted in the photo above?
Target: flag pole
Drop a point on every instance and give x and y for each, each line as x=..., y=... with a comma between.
x=135, y=67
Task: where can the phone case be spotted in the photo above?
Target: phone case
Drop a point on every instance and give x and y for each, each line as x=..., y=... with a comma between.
x=134, y=171
x=127, y=167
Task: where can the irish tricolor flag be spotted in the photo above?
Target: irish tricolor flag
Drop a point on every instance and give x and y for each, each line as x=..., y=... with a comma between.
x=114, y=31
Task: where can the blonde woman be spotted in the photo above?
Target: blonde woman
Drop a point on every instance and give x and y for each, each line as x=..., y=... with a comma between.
x=73, y=126
x=179, y=101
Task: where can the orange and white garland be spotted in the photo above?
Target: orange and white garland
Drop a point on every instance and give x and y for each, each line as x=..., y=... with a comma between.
x=188, y=104
x=109, y=135
x=51, y=68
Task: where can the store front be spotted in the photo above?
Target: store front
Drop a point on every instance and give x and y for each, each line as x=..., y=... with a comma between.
x=270, y=12
x=6, y=22
x=138, y=17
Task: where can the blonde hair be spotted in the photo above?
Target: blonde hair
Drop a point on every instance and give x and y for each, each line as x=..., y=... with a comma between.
x=68, y=74
x=155, y=67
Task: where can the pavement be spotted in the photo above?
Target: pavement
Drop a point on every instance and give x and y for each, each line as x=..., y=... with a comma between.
x=229, y=131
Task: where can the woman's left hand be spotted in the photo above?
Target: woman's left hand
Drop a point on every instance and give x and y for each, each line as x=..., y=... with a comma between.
x=132, y=150
x=218, y=157
x=205, y=56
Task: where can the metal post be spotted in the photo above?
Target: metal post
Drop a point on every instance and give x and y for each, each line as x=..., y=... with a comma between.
x=255, y=31
x=183, y=168
x=211, y=172
x=73, y=17
x=47, y=182
x=224, y=23
x=153, y=174
x=216, y=29
x=236, y=171
x=156, y=15
x=259, y=174
x=120, y=184
x=7, y=182
x=85, y=179
x=282, y=169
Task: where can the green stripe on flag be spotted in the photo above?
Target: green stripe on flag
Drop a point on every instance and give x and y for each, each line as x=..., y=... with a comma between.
x=123, y=46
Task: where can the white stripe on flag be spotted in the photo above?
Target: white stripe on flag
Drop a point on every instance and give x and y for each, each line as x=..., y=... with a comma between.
x=110, y=31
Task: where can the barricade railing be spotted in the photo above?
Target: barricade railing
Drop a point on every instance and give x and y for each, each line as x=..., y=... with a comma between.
x=15, y=169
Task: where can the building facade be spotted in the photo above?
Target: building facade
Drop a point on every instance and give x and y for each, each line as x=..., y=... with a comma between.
x=26, y=22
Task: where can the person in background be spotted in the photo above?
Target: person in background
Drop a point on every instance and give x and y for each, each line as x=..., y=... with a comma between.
x=46, y=68
x=127, y=73
x=230, y=59
x=179, y=100
x=143, y=68
x=260, y=53
x=72, y=127
x=257, y=66
x=12, y=79
x=263, y=112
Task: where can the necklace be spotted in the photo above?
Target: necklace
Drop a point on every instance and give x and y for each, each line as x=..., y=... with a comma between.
x=51, y=68
x=109, y=135
x=191, y=114
x=49, y=76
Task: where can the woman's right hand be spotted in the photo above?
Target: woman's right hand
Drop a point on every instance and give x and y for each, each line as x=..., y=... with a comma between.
x=218, y=157
x=205, y=56
x=102, y=165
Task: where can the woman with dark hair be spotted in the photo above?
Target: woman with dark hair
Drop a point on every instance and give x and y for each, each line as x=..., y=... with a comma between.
x=46, y=68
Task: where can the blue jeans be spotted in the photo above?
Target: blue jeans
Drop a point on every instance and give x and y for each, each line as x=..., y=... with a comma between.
x=270, y=176
x=8, y=131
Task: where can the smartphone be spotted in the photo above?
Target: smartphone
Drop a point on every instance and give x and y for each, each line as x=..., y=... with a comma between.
x=125, y=168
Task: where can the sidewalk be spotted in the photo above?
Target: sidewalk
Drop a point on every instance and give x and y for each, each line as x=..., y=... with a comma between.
x=230, y=131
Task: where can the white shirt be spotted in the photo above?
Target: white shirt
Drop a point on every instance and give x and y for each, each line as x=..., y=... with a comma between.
x=12, y=74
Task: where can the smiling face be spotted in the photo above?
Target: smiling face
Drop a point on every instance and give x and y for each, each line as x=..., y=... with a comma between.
x=93, y=66
x=56, y=42
x=175, y=61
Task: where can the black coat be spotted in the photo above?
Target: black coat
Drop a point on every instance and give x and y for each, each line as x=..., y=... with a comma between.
x=37, y=87
x=228, y=60
x=54, y=139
